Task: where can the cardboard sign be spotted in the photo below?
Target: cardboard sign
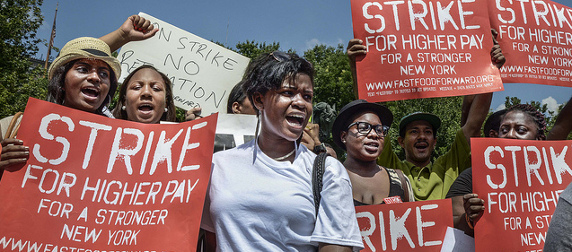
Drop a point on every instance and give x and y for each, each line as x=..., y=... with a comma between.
x=202, y=72
x=520, y=182
x=97, y=184
x=421, y=49
x=419, y=226
x=536, y=38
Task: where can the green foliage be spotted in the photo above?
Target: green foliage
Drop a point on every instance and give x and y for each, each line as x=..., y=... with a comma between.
x=333, y=79
x=19, y=22
x=253, y=49
x=447, y=108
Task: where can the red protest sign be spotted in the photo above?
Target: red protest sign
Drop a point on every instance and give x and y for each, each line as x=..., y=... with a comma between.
x=520, y=182
x=536, y=38
x=422, y=49
x=94, y=184
x=419, y=226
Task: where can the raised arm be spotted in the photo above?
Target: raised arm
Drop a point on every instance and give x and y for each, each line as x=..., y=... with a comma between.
x=478, y=105
x=355, y=49
x=133, y=29
x=563, y=125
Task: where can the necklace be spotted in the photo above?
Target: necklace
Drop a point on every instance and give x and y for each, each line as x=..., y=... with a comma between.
x=285, y=156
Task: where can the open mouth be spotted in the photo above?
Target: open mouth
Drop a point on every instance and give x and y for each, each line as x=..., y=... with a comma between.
x=90, y=92
x=295, y=119
x=421, y=145
x=371, y=146
x=146, y=108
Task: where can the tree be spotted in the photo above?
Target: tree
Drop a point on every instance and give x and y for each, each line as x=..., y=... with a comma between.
x=333, y=79
x=19, y=22
x=253, y=49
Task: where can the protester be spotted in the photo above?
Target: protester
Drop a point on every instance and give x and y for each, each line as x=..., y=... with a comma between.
x=521, y=121
x=418, y=136
x=360, y=130
x=237, y=102
x=558, y=235
x=260, y=194
x=146, y=96
x=83, y=77
x=492, y=124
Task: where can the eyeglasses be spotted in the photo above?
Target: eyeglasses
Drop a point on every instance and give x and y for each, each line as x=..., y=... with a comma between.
x=364, y=128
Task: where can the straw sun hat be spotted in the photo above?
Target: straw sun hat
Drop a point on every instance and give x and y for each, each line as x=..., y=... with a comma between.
x=85, y=47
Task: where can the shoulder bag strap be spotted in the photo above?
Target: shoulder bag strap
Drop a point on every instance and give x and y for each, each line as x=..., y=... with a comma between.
x=404, y=185
x=317, y=176
x=13, y=127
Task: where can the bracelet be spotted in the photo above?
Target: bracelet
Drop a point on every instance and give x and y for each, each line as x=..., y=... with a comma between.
x=469, y=222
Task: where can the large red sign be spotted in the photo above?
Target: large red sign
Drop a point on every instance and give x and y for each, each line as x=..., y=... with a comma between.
x=520, y=182
x=421, y=49
x=536, y=38
x=418, y=226
x=97, y=184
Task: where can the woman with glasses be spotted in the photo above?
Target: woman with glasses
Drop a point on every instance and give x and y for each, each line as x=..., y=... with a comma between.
x=260, y=196
x=360, y=130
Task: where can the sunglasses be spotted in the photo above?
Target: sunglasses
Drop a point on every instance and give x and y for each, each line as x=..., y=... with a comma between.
x=282, y=56
x=364, y=128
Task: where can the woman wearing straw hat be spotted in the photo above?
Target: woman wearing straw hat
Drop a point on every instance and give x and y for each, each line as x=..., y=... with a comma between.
x=83, y=76
x=360, y=130
x=260, y=194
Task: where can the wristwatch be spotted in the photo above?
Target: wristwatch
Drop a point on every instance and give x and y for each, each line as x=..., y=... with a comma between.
x=320, y=148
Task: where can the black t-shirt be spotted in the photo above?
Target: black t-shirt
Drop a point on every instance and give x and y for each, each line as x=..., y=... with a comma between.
x=462, y=185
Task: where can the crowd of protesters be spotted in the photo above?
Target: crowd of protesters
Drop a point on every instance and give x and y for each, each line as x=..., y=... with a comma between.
x=263, y=199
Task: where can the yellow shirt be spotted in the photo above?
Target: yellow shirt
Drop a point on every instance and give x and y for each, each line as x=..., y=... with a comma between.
x=434, y=180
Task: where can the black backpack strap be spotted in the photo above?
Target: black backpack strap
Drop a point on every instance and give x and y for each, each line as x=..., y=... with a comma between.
x=404, y=184
x=317, y=176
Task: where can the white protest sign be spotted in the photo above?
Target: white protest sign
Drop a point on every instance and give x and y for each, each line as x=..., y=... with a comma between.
x=202, y=72
x=233, y=130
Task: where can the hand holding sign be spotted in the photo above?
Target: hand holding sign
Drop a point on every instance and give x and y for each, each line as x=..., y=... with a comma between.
x=94, y=183
x=14, y=154
x=135, y=28
x=418, y=226
x=202, y=72
x=520, y=181
x=443, y=49
x=537, y=37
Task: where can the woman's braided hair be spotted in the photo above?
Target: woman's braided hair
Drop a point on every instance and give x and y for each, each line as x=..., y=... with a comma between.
x=536, y=116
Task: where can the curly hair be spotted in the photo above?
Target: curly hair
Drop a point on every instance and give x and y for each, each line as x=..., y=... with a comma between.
x=534, y=114
x=57, y=94
x=170, y=115
x=268, y=71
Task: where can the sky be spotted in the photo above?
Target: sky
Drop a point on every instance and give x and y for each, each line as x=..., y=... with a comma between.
x=296, y=24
